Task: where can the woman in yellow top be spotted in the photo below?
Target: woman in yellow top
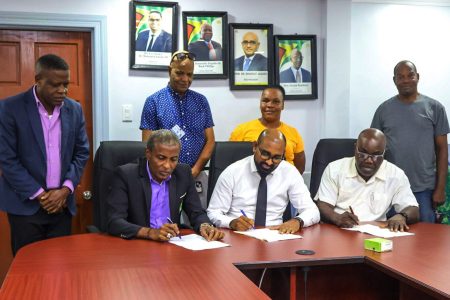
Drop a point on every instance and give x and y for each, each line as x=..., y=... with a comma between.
x=271, y=105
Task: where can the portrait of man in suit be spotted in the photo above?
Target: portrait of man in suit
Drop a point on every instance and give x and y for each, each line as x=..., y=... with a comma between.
x=295, y=73
x=206, y=49
x=154, y=39
x=251, y=60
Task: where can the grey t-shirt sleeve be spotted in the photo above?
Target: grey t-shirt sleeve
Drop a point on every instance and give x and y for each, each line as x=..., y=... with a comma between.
x=441, y=126
x=376, y=121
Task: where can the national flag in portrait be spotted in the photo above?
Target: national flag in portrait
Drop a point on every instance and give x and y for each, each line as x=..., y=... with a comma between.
x=193, y=25
x=142, y=15
x=285, y=48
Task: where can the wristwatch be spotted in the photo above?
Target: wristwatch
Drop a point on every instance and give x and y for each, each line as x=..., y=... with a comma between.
x=405, y=215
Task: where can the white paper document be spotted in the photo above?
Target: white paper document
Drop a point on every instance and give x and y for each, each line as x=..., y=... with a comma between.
x=269, y=235
x=196, y=242
x=378, y=231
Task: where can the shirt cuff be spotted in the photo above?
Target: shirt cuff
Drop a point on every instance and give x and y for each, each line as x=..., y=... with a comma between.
x=68, y=183
x=40, y=191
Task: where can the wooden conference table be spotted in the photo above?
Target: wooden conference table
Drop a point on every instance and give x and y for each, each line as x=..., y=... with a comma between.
x=98, y=266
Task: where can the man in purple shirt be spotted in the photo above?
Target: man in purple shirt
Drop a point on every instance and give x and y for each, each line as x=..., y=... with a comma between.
x=147, y=197
x=43, y=151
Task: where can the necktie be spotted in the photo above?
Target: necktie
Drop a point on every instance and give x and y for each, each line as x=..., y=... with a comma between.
x=246, y=64
x=297, y=77
x=150, y=45
x=212, y=52
x=261, y=202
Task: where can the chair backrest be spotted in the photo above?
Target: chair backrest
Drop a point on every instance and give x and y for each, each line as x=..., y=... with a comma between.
x=110, y=155
x=224, y=154
x=328, y=150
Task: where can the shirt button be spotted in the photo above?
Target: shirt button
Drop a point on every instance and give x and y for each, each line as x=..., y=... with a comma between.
x=182, y=114
x=187, y=153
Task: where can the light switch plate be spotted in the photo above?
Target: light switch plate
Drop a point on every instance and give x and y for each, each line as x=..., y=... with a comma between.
x=127, y=113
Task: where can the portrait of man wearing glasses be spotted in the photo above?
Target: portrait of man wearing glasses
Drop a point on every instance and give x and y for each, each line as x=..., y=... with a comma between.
x=251, y=60
x=182, y=110
x=256, y=190
x=154, y=39
x=365, y=187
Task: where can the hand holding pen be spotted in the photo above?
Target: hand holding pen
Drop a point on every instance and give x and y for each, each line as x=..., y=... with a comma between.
x=242, y=223
x=171, y=222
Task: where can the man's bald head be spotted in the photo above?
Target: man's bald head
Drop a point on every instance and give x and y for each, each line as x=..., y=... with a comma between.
x=269, y=150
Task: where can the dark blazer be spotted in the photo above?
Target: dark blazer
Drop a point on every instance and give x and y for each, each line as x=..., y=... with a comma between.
x=288, y=76
x=23, y=156
x=201, y=50
x=259, y=63
x=162, y=44
x=129, y=201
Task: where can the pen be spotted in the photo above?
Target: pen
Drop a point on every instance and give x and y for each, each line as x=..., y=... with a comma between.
x=245, y=215
x=353, y=213
x=171, y=222
x=351, y=210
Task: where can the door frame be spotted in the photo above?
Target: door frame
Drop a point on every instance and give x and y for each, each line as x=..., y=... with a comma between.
x=97, y=25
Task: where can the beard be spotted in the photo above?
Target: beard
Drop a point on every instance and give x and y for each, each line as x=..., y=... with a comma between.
x=265, y=169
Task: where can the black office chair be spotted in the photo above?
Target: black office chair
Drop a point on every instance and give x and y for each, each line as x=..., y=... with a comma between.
x=328, y=150
x=226, y=153
x=110, y=155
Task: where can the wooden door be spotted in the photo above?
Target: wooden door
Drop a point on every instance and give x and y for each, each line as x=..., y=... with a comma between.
x=19, y=50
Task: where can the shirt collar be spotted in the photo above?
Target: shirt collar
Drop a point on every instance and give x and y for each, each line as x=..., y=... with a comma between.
x=175, y=94
x=39, y=102
x=380, y=174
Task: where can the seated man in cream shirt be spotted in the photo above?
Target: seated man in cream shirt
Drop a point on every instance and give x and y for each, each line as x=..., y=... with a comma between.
x=237, y=200
x=365, y=187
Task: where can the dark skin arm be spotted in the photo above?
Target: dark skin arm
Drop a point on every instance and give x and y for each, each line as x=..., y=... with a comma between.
x=206, y=153
x=328, y=215
x=291, y=226
x=398, y=221
x=54, y=200
x=441, y=170
x=162, y=234
x=167, y=231
x=211, y=233
x=242, y=223
x=299, y=161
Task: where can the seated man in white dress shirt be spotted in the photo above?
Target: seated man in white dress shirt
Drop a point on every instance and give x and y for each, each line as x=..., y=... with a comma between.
x=365, y=187
x=256, y=190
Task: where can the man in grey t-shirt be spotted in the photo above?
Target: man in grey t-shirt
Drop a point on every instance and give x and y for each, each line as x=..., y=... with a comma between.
x=416, y=128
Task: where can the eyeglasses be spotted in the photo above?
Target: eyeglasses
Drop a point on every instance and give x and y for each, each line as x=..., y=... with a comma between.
x=266, y=155
x=364, y=155
x=183, y=56
x=251, y=43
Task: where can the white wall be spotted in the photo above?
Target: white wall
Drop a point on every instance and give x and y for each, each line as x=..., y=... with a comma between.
x=358, y=45
x=228, y=108
x=384, y=34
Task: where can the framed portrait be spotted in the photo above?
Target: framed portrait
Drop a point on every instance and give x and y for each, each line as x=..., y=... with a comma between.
x=205, y=35
x=251, y=56
x=296, y=65
x=153, y=34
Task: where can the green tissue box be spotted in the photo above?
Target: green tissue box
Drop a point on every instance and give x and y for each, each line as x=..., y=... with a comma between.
x=378, y=244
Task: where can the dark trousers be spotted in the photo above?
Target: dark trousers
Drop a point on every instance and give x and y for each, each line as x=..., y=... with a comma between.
x=40, y=226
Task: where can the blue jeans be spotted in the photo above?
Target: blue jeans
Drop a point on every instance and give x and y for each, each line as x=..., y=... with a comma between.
x=425, y=200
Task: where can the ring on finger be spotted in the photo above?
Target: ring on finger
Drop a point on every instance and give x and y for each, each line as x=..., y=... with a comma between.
x=169, y=236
